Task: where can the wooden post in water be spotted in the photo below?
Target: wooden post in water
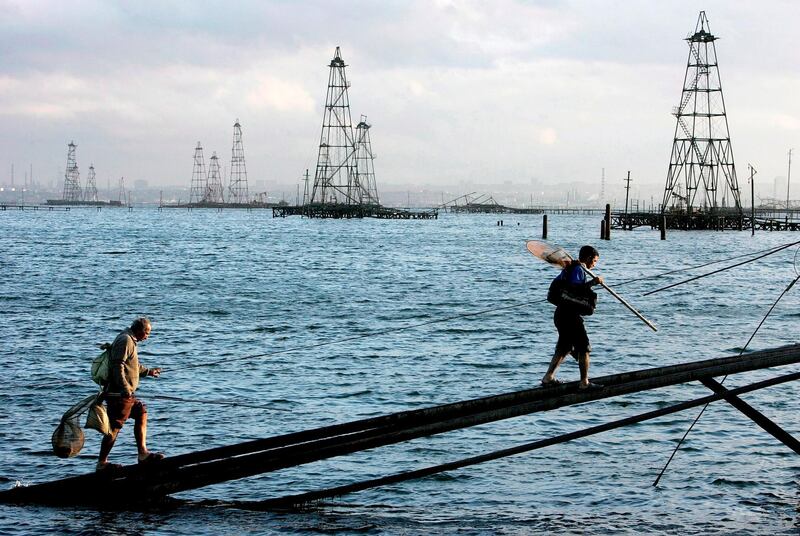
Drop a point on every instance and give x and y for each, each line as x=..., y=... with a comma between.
x=602, y=229
x=752, y=201
x=662, y=224
x=608, y=221
x=544, y=227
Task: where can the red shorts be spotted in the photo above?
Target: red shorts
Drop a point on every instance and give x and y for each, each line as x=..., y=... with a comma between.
x=120, y=409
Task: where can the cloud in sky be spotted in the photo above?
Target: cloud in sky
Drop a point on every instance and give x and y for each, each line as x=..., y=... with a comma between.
x=457, y=91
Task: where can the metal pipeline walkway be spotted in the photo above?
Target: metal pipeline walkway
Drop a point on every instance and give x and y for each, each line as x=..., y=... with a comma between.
x=156, y=481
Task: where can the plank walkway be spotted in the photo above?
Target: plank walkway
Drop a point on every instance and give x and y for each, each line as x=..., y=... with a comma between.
x=193, y=470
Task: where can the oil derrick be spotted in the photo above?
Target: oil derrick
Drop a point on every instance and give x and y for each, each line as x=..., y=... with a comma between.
x=199, y=181
x=214, y=192
x=336, y=177
x=702, y=156
x=237, y=188
x=72, y=177
x=365, y=168
x=90, y=192
x=123, y=193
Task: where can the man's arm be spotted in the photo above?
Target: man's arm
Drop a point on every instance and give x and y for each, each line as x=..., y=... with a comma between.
x=154, y=372
x=121, y=350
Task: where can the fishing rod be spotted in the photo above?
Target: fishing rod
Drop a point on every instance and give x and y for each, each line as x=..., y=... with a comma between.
x=559, y=257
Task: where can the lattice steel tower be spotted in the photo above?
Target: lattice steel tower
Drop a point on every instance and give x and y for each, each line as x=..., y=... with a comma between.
x=90, y=192
x=336, y=177
x=72, y=177
x=238, y=185
x=197, y=193
x=214, y=193
x=365, y=168
x=702, y=157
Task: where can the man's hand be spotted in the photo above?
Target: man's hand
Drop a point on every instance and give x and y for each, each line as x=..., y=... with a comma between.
x=155, y=372
x=598, y=280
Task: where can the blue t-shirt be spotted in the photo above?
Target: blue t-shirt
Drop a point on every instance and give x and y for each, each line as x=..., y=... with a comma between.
x=575, y=275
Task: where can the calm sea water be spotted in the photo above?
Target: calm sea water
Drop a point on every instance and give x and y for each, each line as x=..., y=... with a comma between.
x=223, y=286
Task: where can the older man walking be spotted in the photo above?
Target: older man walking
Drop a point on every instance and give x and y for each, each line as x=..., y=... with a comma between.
x=124, y=373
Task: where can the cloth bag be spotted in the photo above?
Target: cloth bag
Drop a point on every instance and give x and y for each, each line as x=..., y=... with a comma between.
x=97, y=418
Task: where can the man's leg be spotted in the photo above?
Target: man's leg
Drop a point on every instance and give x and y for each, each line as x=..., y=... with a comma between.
x=583, y=365
x=550, y=375
x=139, y=414
x=106, y=445
x=140, y=433
x=118, y=411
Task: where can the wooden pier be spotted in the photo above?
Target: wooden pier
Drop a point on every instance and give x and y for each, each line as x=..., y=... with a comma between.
x=219, y=206
x=571, y=210
x=5, y=206
x=491, y=208
x=83, y=204
x=134, y=485
x=719, y=221
x=343, y=211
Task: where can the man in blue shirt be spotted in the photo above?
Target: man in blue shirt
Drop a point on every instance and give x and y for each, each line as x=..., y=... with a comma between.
x=572, y=336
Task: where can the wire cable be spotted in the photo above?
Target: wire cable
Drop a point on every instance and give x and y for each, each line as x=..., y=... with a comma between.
x=697, y=266
x=678, y=446
x=722, y=269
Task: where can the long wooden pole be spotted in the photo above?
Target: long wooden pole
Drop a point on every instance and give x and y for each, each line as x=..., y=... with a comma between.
x=752, y=201
x=623, y=302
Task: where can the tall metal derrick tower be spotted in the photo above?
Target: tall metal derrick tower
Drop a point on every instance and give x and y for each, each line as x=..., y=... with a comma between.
x=197, y=193
x=123, y=196
x=238, y=184
x=214, y=192
x=72, y=177
x=365, y=168
x=336, y=178
x=702, y=157
x=90, y=192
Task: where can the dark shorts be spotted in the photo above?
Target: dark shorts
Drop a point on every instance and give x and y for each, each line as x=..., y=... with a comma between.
x=572, y=335
x=120, y=409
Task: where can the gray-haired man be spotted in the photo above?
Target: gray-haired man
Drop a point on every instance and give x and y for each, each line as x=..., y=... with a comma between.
x=124, y=373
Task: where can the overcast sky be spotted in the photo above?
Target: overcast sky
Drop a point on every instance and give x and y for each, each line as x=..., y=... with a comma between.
x=457, y=92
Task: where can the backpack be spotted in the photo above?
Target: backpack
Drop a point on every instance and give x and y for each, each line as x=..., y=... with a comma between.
x=554, y=292
x=562, y=293
x=100, y=365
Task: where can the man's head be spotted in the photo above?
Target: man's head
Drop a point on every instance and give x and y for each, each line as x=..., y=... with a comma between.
x=588, y=255
x=141, y=328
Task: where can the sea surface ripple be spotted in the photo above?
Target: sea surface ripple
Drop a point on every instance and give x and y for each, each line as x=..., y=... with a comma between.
x=246, y=300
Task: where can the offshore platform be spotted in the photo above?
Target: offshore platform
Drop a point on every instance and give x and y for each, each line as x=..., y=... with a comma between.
x=344, y=181
x=207, y=187
x=702, y=190
x=73, y=194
